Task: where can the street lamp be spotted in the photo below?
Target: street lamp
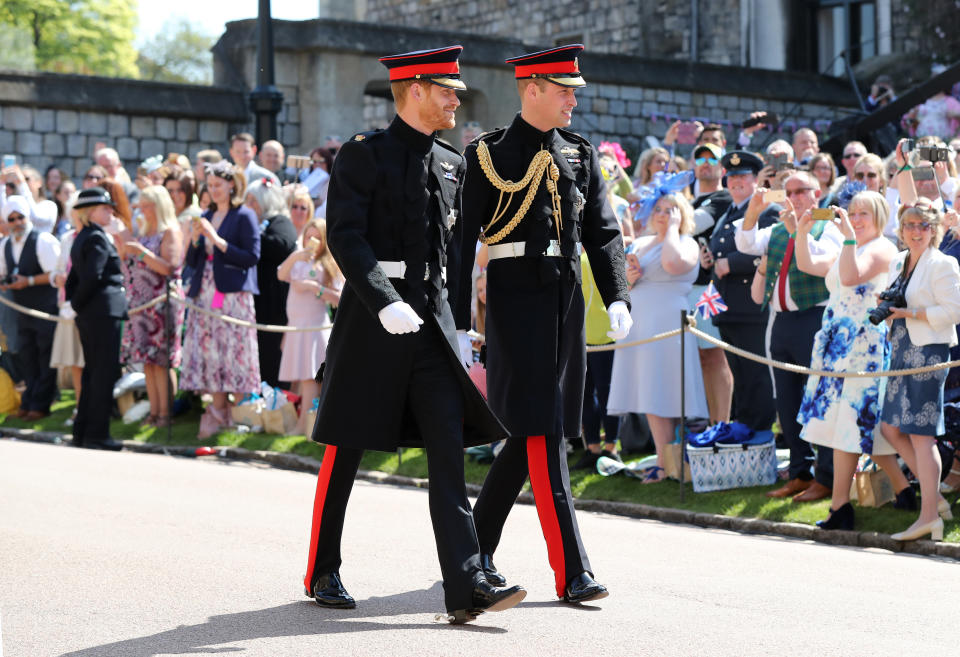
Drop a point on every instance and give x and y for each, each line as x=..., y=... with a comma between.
x=265, y=100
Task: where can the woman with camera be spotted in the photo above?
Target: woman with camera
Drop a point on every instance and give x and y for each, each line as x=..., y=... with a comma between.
x=841, y=413
x=924, y=305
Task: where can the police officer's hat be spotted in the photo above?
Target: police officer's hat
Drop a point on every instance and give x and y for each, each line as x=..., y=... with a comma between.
x=438, y=66
x=558, y=65
x=736, y=162
x=94, y=196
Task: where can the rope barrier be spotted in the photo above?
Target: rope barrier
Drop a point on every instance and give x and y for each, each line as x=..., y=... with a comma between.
x=269, y=328
x=691, y=327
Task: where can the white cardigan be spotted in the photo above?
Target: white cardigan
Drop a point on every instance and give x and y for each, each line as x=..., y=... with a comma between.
x=935, y=287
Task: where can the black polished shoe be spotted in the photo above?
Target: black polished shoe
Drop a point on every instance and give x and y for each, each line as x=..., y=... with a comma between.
x=490, y=571
x=487, y=597
x=109, y=444
x=841, y=518
x=328, y=591
x=906, y=499
x=583, y=588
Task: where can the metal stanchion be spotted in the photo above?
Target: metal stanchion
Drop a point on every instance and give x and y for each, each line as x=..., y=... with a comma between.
x=683, y=396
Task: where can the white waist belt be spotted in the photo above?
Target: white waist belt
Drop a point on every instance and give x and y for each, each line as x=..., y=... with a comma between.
x=395, y=269
x=519, y=249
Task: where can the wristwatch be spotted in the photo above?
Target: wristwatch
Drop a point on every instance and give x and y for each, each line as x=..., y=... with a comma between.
x=30, y=280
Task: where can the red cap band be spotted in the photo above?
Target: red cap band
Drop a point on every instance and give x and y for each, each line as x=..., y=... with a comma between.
x=411, y=71
x=556, y=68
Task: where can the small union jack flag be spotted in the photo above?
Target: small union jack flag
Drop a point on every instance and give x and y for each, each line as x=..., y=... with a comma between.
x=710, y=302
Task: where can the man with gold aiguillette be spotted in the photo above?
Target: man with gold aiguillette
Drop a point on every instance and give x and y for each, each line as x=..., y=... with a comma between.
x=535, y=229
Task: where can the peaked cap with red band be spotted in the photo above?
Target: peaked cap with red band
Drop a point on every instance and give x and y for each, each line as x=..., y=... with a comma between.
x=438, y=66
x=558, y=65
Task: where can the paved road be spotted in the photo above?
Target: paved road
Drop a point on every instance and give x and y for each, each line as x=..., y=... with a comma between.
x=134, y=555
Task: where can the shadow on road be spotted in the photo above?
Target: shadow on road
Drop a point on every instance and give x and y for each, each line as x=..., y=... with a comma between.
x=289, y=620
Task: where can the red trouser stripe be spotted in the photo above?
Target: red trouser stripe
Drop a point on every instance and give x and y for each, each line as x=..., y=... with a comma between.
x=546, y=508
x=323, y=482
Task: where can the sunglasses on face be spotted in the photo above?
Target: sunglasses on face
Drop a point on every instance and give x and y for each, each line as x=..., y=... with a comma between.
x=921, y=226
x=860, y=175
x=91, y=176
x=798, y=192
x=703, y=160
x=848, y=156
x=15, y=217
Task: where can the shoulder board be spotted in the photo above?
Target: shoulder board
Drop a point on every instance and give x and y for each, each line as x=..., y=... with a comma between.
x=572, y=136
x=490, y=135
x=364, y=136
x=446, y=145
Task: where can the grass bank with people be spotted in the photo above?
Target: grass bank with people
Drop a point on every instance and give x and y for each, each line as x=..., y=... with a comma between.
x=739, y=502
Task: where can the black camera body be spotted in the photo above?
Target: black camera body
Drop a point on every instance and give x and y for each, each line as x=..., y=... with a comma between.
x=892, y=297
x=934, y=154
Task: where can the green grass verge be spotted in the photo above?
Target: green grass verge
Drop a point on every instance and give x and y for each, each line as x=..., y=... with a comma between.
x=740, y=502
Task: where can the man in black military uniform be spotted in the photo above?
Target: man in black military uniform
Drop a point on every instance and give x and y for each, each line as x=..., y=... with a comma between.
x=536, y=352
x=393, y=374
x=744, y=323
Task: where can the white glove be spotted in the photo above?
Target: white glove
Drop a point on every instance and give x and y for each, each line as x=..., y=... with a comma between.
x=466, y=349
x=399, y=317
x=620, y=320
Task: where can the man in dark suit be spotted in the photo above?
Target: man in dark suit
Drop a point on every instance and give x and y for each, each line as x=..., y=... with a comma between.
x=393, y=374
x=744, y=323
x=536, y=350
x=94, y=289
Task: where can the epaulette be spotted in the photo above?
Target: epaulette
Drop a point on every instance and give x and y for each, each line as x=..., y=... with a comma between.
x=572, y=136
x=364, y=136
x=447, y=145
x=489, y=135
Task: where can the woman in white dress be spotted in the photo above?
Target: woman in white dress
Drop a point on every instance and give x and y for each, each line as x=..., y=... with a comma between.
x=844, y=413
x=661, y=269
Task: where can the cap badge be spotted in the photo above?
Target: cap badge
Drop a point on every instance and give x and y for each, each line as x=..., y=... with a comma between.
x=734, y=159
x=359, y=138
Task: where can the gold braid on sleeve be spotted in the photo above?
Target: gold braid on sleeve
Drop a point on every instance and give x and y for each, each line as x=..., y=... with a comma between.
x=542, y=161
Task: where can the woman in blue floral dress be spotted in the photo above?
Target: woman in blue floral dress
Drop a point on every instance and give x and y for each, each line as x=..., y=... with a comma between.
x=844, y=413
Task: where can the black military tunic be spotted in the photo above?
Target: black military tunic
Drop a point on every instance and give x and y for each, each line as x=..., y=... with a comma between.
x=394, y=196
x=536, y=350
x=536, y=354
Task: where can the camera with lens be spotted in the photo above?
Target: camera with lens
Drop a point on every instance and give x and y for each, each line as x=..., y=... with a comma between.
x=934, y=154
x=892, y=297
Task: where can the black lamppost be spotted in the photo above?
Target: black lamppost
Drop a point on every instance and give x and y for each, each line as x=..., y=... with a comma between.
x=265, y=100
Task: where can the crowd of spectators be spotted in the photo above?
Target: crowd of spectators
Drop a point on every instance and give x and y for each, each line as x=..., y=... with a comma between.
x=244, y=236
x=220, y=232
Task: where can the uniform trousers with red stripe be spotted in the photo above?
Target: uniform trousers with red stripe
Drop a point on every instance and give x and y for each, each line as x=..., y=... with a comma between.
x=435, y=401
x=544, y=460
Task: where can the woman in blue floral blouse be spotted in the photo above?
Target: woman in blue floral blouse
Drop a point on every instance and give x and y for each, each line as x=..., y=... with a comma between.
x=844, y=413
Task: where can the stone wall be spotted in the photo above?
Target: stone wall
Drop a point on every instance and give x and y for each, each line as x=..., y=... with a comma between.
x=341, y=87
x=630, y=27
x=58, y=119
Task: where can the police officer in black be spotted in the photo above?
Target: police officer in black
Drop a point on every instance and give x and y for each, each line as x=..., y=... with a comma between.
x=94, y=288
x=535, y=229
x=393, y=374
x=744, y=323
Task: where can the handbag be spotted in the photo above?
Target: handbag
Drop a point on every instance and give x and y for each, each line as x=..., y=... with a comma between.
x=874, y=487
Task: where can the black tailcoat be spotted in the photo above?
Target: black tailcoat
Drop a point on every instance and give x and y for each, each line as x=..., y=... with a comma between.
x=536, y=352
x=394, y=195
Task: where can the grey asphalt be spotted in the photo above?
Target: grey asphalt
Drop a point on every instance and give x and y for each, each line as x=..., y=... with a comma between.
x=136, y=555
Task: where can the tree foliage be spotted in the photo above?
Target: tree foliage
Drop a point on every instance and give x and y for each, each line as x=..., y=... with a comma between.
x=91, y=37
x=178, y=53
